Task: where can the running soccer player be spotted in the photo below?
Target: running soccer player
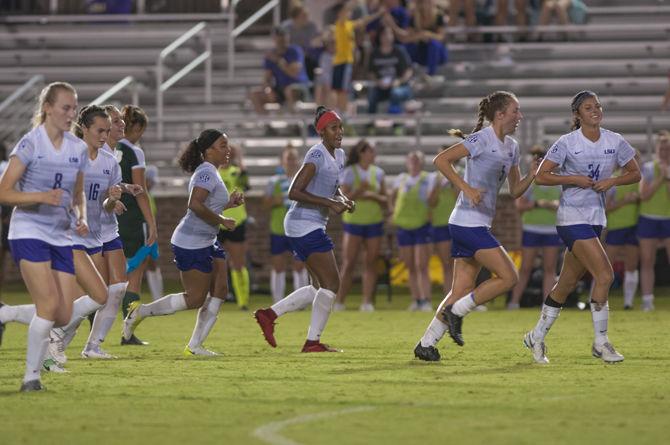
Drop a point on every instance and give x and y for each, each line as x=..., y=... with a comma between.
x=586, y=157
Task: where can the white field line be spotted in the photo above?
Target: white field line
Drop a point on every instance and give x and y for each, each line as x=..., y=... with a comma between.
x=270, y=433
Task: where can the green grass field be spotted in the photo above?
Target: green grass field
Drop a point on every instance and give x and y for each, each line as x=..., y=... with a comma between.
x=375, y=392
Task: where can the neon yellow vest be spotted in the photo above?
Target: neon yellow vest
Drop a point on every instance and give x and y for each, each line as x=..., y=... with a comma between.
x=542, y=217
x=152, y=204
x=627, y=215
x=659, y=203
x=278, y=212
x=411, y=212
x=367, y=211
x=445, y=205
x=230, y=176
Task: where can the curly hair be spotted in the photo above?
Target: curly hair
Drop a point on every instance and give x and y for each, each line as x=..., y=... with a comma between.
x=192, y=155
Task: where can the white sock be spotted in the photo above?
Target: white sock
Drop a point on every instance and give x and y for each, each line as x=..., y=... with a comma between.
x=155, y=283
x=465, y=305
x=82, y=307
x=548, y=316
x=207, y=316
x=630, y=282
x=434, y=333
x=300, y=278
x=167, y=305
x=295, y=301
x=38, y=340
x=321, y=307
x=600, y=314
x=21, y=314
x=648, y=299
x=277, y=285
x=104, y=318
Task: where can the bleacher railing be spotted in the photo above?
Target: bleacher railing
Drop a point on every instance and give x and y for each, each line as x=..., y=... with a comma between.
x=206, y=57
x=235, y=31
x=127, y=82
x=16, y=110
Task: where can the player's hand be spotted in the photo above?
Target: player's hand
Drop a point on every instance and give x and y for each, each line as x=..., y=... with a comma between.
x=584, y=182
x=236, y=199
x=228, y=223
x=351, y=204
x=81, y=227
x=119, y=208
x=52, y=197
x=474, y=195
x=114, y=192
x=152, y=235
x=134, y=189
x=604, y=185
x=338, y=205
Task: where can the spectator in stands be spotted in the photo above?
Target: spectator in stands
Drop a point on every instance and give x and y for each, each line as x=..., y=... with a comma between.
x=396, y=10
x=442, y=200
x=538, y=209
x=559, y=8
x=323, y=75
x=411, y=218
x=623, y=210
x=235, y=178
x=137, y=225
x=390, y=72
x=363, y=182
x=653, y=227
x=153, y=272
x=304, y=33
x=426, y=35
x=345, y=45
x=5, y=215
x=467, y=8
x=284, y=76
x=276, y=200
x=329, y=17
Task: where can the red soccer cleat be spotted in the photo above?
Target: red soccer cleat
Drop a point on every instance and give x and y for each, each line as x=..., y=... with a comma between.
x=266, y=320
x=317, y=346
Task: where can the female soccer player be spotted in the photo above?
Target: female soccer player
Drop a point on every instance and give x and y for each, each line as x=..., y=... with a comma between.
x=411, y=217
x=492, y=156
x=362, y=182
x=137, y=226
x=315, y=191
x=538, y=207
x=587, y=157
x=276, y=200
x=194, y=242
x=654, y=224
x=45, y=181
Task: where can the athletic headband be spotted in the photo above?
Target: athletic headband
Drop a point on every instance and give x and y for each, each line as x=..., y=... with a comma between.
x=581, y=97
x=206, y=139
x=325, y=119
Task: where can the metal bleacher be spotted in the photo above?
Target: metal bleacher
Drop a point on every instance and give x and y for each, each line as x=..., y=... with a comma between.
x=623, y=53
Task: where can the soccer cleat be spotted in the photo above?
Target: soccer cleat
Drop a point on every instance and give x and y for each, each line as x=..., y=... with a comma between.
x=426, y=353
x=133, y=319
x=607, y=353
x=425, y=306
x=266, y=320
x=513, y=306
x=133, y=341
x=32, y=385
x=414, y=306
x=2, y=328
x=95, y=351
x=539, y=349
x=339, y=307
x=366, y=307
x=189, y=352
x=647, y=304
x=317, y=346
x=56, y=346
x=455, y=325
x=627, y=307
x=51, y=365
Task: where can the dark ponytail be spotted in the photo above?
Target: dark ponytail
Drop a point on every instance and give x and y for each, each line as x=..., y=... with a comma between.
x=193, y=155
x=320, y=111
x=86, y=118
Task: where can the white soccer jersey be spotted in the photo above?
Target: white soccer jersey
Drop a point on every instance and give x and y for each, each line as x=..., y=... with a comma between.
x=101, y=173
x=109, y=226
x=577, y=155
x=486, y=168
x=303, y=218
x=47, y=168
x=192, y=232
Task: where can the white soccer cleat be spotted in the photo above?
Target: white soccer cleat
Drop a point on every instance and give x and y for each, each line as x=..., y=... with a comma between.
x=538, y=348
x=133, y=319
x=339, y=307
x=366, y=307
x=56, y=346
x=51, y=365
x=606, y=352
x=96, y=352
x=199, y=351
x=647, y=304
x=414, y=306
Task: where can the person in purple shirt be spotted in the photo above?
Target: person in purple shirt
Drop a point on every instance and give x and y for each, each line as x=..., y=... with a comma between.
x=284, y=76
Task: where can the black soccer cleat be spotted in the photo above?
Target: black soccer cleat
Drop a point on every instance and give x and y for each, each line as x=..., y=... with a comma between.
x=133, y=341
x=426, y=353
x=32, y=385
x=455, y=324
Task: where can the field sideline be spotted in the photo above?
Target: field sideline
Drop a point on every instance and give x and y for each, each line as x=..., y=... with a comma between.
x=488, y=392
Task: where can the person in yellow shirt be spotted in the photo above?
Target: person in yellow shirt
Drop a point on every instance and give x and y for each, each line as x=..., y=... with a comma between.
x=235, y=177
